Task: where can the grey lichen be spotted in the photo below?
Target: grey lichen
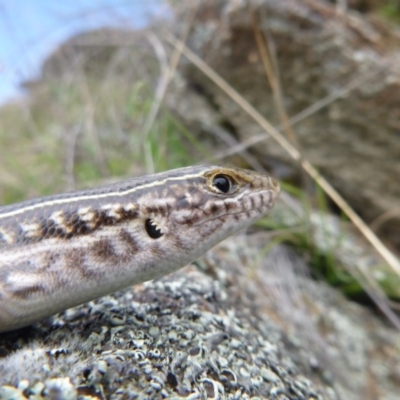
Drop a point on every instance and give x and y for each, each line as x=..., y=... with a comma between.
x=187, y=335
x=237, y=324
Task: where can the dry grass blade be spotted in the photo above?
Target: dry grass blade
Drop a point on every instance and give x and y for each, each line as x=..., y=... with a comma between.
x=306, y=165
x=272, y=73
x=167, y=72
x=159, y=94
x=324, y=102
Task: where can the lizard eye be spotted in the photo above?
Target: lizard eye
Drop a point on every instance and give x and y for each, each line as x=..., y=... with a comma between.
x=222, y=183
x=152, y=230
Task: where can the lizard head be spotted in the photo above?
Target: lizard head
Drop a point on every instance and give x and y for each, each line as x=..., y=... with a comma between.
x=190, y=213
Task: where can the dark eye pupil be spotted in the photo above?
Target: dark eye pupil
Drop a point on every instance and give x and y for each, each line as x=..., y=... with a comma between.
x=152, y=230
x=222, y=183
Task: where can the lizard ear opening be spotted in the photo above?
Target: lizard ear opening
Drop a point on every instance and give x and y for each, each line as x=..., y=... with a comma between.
x=152, y=229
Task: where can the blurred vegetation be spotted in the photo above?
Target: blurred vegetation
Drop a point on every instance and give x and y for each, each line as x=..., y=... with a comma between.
x=386, y=8
x=390, y=9
x=326, y=244
x=80, y=127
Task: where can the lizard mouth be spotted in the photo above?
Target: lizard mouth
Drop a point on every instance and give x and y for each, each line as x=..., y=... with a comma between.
x=258, y=212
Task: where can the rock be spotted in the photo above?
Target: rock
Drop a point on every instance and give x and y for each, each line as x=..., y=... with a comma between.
x=220, y=328
x=354, y=140
x=60, y=389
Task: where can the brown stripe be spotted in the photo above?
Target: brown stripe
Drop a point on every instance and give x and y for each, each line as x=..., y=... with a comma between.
x=29, y=291
x=130, y=245
x=104, y=250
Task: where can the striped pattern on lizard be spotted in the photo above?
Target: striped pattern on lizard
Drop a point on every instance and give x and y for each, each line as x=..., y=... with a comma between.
x=60, y=251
